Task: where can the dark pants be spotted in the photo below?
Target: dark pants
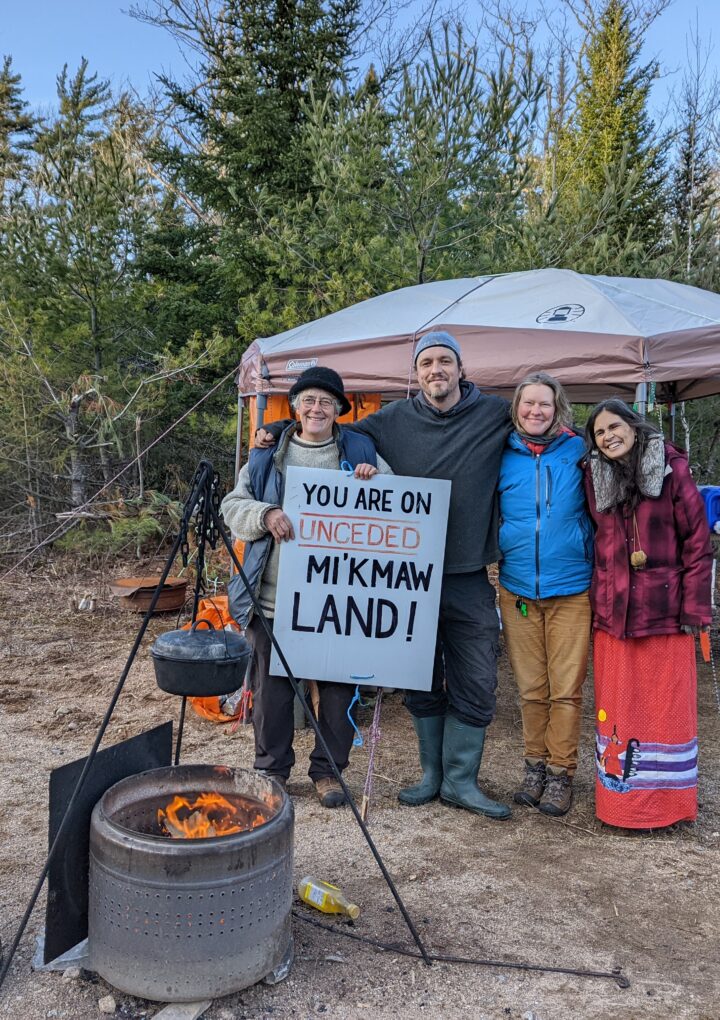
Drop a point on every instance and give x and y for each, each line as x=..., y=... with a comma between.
x=273, y=719
x=465, y=670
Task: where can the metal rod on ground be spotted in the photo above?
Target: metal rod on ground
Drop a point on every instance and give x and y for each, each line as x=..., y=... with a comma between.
x=200, y=481
x=316, y=729
x=615, y=974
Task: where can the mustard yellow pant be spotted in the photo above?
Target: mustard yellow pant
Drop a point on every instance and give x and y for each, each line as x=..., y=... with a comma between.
x=548, y=652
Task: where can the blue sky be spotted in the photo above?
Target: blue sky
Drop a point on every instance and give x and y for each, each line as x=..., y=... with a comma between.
x=42, y=35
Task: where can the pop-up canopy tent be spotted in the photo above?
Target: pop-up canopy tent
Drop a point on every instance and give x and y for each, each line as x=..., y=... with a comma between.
x=599, y=335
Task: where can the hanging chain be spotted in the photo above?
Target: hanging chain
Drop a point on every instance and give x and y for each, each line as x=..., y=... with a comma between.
x=204, y=525
x=198, y=523
x=213, y=530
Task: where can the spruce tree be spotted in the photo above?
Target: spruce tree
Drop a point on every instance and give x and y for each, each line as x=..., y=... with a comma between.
x=260, y=68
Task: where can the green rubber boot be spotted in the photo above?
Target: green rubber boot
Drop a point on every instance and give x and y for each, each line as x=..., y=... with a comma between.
x=462, y=754
x=430, y=740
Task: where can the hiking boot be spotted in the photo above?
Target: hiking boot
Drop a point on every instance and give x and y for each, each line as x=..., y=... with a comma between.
x=557, y=797
x=533, y=784
x=329, y=791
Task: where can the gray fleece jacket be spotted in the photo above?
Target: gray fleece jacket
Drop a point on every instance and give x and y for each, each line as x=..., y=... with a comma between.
x=464, y=445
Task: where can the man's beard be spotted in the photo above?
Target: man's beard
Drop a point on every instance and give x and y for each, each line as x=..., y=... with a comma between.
x=439, y=390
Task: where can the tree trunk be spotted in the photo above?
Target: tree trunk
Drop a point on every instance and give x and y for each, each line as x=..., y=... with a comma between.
x=686, y=427
x=95, y=333
x=78, y=470
x=105, y=462
x=141, y=479
x=32, y=496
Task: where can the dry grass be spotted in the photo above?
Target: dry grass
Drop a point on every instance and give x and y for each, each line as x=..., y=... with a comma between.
x=565, y=892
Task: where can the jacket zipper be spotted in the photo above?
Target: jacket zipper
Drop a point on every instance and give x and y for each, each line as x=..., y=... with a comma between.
x=548, y=490
x=537, y=525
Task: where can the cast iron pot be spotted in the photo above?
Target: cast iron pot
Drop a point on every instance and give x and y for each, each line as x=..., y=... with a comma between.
x=200, y=663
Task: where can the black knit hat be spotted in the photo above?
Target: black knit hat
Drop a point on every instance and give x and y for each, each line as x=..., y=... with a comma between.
x=321, y=379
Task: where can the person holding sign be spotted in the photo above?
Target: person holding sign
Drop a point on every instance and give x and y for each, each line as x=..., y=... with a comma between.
x=451, y=430
x=253, y=512
x=546, y=548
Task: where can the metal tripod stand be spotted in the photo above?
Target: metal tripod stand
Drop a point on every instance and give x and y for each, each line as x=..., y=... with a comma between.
x=202, y=506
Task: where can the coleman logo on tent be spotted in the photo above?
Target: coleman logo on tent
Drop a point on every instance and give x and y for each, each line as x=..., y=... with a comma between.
x=562, y=313
x=300, y=364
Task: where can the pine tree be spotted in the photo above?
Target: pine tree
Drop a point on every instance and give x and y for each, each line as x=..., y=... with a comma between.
x=93, y=203
x=611, y=129
x=694, y=252
x=73, y=303
x=16, y=125
x=421, y=185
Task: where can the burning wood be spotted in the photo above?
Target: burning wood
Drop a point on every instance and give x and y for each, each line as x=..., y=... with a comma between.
x=209, y=815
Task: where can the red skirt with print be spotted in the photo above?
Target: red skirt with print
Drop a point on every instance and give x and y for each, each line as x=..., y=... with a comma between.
x=645, y=730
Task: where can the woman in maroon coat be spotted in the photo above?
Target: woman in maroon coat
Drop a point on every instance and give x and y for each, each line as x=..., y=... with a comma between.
x=650, y=594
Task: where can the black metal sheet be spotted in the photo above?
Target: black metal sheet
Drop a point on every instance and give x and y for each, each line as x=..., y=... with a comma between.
x=66, y=915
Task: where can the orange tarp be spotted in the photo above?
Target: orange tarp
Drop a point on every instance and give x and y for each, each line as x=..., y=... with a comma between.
x=361, y=405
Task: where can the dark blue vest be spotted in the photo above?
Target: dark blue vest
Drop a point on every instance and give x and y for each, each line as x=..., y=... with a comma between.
x=268, y=483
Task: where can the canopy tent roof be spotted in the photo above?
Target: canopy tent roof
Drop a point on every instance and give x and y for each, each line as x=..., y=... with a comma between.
x=599, y=335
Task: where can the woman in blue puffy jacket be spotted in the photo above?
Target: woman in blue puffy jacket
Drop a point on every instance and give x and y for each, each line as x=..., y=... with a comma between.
x=546, y=548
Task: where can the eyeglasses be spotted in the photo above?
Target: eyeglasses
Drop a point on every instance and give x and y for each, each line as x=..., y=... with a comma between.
x=308, y=402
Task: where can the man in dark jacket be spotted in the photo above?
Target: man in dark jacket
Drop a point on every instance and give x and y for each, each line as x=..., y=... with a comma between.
x=451, y=430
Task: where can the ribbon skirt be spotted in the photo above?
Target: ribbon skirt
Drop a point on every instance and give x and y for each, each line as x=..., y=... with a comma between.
x=645, y=730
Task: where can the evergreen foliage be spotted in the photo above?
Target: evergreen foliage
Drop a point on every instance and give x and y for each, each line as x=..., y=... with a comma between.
x=16, y=125
x=143, y=246
x=610, y=163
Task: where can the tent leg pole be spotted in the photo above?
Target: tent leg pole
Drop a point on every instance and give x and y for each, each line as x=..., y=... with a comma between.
x=261, y=409
x=239, y=437
x=641, y=398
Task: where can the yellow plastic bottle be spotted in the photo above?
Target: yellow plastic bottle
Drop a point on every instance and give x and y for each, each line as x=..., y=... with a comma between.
x=326, y=897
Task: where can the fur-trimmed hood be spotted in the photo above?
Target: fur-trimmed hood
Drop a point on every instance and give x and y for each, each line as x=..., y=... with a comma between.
x=654, y=466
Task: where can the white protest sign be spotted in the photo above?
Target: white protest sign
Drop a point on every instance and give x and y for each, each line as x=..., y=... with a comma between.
x=358, y=589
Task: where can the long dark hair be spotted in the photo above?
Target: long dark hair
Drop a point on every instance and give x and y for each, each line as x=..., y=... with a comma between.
x=626, y=472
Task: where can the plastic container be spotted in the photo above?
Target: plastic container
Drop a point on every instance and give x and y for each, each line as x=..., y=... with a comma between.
x=326, y=897
x=711, y=498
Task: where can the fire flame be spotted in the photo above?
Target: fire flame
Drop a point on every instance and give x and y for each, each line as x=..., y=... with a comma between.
x=210, y=814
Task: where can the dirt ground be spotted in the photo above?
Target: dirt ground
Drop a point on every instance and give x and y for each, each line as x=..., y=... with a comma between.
x=568, y=892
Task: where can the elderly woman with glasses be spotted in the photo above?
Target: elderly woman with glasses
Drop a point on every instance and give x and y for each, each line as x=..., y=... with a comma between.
x=253, y=512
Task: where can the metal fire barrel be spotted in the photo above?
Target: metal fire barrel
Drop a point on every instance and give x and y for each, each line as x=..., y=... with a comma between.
x=177, y=920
